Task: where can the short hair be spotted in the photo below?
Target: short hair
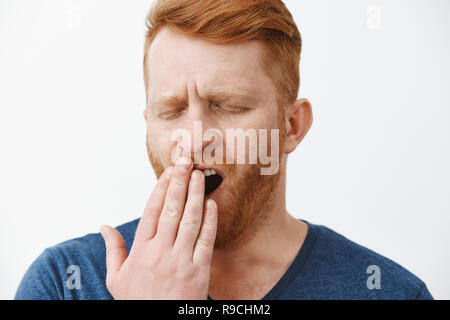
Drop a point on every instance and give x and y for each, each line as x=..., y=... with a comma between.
x=233, y=21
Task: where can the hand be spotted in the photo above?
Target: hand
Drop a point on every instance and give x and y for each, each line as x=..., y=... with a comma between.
x=172, y=249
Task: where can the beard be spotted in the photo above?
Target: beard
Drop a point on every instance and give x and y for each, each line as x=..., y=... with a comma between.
x=244, y=209
x=243, y=204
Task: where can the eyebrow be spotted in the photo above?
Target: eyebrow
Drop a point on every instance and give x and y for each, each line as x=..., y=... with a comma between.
x=217, y=95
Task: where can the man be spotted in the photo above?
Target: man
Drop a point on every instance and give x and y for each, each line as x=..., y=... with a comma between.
x=213, y=228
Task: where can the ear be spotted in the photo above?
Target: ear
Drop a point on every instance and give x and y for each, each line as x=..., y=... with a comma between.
x=145, y=114
x=299, y=119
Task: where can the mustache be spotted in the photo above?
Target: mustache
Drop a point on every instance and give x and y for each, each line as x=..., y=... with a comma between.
x=226, y=168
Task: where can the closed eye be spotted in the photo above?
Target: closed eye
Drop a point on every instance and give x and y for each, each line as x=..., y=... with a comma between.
x=171, y=114
x=177, y=112
x=229, y=109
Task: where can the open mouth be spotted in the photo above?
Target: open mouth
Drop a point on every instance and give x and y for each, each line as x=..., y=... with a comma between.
x=212, y=180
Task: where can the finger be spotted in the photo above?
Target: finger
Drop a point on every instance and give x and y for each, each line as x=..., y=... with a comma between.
x=116, y=252
x=146, y=228
x=174, y=202
x=204, y=245
x=192, y=217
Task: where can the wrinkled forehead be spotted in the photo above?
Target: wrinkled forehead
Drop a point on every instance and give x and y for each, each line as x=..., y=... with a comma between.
x=176, y=61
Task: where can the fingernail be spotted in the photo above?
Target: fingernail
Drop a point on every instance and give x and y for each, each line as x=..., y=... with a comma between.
x=210, y=204
x=196, y=175
x=168, y=172
x=184, y=161
x=103, y=232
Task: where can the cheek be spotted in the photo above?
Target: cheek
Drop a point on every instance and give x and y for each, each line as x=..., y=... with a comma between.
x=267, y=117
x=272, y=121
x=160, y=146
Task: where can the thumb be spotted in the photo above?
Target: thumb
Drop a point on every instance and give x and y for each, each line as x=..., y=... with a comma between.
x=116, y=252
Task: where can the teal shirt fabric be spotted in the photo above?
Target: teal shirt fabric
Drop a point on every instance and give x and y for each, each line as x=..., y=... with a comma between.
x=328, y=266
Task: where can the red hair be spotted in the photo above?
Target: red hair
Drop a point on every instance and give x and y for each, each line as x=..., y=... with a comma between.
x=232, y=21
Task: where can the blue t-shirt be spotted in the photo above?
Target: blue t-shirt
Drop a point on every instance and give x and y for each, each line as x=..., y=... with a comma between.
x=328, y=266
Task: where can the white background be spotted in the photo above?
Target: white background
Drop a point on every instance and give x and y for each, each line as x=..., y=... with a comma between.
x=374, y=167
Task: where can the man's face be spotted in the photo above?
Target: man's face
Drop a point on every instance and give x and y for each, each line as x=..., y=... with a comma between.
x=222, y=87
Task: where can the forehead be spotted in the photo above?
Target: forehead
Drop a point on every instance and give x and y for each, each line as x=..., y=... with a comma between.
x=176, y=62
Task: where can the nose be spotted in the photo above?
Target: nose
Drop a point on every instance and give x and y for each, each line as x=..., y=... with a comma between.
x=191, y=143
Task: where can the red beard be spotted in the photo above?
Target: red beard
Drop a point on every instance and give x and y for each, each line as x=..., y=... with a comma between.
x=243, y=203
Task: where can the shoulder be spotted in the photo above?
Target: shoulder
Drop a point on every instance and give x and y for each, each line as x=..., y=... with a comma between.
x=92, y=244
x=361, y=272
x=89, y=248
x=54, y=273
